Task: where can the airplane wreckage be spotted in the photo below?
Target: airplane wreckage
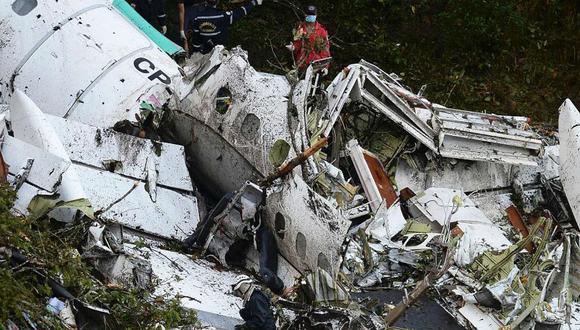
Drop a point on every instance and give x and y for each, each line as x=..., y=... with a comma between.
x=364, y=184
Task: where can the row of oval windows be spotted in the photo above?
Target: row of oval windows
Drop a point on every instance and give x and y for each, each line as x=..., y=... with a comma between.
x=280, y=228
x=249, y=130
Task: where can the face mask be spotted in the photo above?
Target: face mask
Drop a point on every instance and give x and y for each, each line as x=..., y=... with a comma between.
x=310, y=18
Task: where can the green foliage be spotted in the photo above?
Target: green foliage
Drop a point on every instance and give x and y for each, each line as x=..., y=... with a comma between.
x=502, y=56
x=51, y=248
x=136, y=309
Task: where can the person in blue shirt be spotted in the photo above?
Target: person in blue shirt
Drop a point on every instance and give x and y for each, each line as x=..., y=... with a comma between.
x=211, y=25
x=187, y=11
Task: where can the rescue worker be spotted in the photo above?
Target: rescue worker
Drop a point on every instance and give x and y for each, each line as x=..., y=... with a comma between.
x=211, y=25
x=257, y=311
x=153, y=11
x=310, y=41
x=187, y=11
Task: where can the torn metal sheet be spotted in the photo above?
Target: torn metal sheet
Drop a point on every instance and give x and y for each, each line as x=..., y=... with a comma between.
x=479, y=319
x=548, y=165
x=459, y=134
x=392, y=93
x=22, y=174
x=99, y=148
x=345, y=86
x=444, y=206
x=569, y=129
x=474, y=176
x=197, y=284
x=477, y=136
x=394, y=114
x=126, y=201
x=462, y=147
x=467, y=175
x=46, y=170
x=436, y=204
x=30, y=125
x=232, y=221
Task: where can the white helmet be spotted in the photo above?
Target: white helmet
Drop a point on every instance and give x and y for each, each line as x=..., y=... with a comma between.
x=243, y=287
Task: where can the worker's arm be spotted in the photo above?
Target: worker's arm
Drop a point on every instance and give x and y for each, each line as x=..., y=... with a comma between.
x=242, y=11
x=161, y=16
x=181, y=16
x=196, y=37
x=181, y=22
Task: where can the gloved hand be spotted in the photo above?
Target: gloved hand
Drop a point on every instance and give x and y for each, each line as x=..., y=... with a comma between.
x=182, y=35
x=324, y=71
x=164, y=29
x=290, y=47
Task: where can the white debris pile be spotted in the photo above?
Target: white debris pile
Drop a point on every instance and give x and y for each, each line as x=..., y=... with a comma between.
x=323, y=191
x=490, y=265
x=412, y=187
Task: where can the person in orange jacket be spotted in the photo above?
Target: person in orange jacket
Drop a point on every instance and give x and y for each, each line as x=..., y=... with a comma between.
x=310, y=41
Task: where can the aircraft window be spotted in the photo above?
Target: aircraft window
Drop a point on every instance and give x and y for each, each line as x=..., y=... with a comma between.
x=223, y=100
x=323, y=262
x=301, y=245
x=23, y=7
x=280, y=225
x=250, y=126
x=279, y=152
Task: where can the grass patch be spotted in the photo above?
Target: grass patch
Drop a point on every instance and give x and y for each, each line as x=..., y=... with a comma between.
x=52, y=249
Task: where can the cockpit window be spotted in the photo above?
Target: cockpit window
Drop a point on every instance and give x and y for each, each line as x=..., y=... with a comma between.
x=23, y=7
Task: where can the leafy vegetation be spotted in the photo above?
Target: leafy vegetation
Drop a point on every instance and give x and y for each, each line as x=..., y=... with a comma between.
x=502, y=56
x=51, y=249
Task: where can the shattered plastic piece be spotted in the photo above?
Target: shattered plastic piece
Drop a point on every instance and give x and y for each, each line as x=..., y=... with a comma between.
x=55, y=305
x=478, y=238
x=387, y=223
